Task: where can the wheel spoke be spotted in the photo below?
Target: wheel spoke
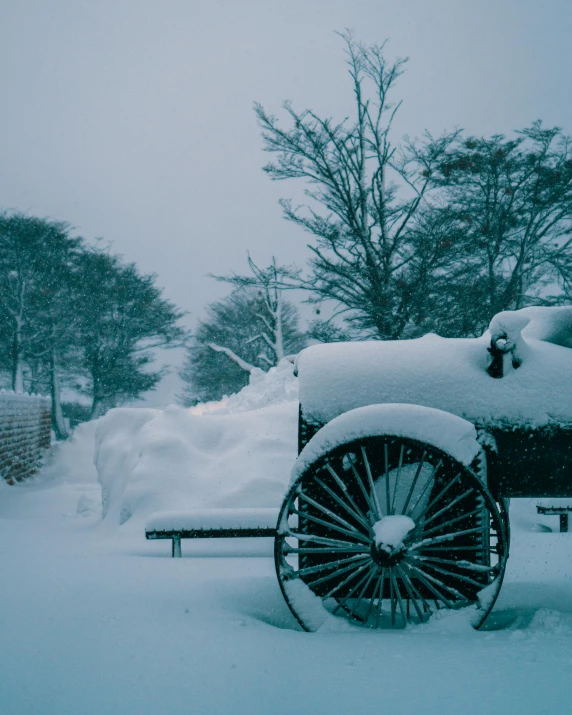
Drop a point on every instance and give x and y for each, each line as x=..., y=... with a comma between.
x=364, y=492
x=328, y=565
x=475, y=512
x=287, y=549
x=447, y=506
x=439, y=496
x=372, y=601
x=444, y=537
x=357, y=514
x=370, y=574
x=460, y=577
x=345, y=581
x=323, y=540
x=363, y=591
x=425, y=487
x=408, y=587
x=339, y=572
x=397, y=478
x=329, y=513
x=433, y=581
x=377, y=508
x=353, y=534
x=462, y=563
x=380, y=599
x=397, y=590
x=414, y=482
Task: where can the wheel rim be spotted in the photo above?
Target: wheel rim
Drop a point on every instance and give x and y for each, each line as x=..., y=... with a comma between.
x=385, y=531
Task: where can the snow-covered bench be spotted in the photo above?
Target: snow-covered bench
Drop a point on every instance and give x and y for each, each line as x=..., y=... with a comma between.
x=556, y=507
x=209, y=524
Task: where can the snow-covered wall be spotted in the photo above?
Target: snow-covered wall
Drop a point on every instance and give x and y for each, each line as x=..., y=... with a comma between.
x=24, y=434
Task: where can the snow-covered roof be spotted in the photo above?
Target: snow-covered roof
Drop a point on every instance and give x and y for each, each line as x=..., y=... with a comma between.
x=445, y=373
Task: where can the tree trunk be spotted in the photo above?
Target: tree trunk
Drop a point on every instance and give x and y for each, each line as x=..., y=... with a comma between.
x=97, y=407
x=279, y=333
x=231, y=355
x=58, y=422
x=17, y=368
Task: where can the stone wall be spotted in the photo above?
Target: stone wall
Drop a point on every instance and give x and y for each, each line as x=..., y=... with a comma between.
x=25, y=432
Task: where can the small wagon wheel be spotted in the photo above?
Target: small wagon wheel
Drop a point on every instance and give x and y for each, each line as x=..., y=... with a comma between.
x=384, y=531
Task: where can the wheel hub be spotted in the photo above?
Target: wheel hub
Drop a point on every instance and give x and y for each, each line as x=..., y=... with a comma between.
x=390, y=531
x=386, y=556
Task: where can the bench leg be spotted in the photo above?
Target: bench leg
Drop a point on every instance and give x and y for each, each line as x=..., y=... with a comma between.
x=563, y=523
x=176, y=548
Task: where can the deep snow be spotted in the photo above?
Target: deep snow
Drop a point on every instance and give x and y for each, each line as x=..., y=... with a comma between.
x=96, y=623
x=95, y=620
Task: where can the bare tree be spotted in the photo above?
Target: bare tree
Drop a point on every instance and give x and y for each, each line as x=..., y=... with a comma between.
x=228, y=346
x=274, y=312
x=364, y=194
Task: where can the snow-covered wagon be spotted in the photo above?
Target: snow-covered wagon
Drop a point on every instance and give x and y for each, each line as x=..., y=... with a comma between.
x=408, y=451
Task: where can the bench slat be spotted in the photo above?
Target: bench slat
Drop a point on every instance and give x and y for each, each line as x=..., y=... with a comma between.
x=211, y=524
x=210, y=533
x=213, y=519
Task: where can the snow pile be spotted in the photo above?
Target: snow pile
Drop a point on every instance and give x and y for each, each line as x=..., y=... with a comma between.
x=265, y=388
x=554, y=325
x=444, y=373
x=391, y=530
x=237, y=453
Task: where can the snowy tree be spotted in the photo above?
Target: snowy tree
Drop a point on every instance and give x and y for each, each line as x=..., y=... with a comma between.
x=507, y=205
x=121, y=318
x=229, y=345
x=326, y=331
x=272, y=314
x=35, y=257
x=364, y=192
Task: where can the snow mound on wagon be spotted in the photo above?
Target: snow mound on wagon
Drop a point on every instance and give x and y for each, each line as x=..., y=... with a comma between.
x=448, y=374
x=235, y=453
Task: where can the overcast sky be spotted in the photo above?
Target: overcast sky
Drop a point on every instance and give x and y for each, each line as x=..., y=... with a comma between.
x=132, y=119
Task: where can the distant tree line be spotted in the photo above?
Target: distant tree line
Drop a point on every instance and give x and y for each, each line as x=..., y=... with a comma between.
x=75, y=315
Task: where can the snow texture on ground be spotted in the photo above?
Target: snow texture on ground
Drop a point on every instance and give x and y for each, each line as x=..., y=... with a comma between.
x=97, y=622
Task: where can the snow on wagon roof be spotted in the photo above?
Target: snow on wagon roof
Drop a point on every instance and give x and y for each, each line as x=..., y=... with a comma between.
x=445, y=373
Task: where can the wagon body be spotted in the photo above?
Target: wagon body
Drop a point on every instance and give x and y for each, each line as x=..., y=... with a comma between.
x=524, y=419
x=408, y=450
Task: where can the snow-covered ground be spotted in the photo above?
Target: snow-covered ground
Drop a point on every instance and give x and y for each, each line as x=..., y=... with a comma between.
x=96, y=620
x=100, y=624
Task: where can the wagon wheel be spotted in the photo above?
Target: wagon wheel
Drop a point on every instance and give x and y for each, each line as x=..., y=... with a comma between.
x=385, y=531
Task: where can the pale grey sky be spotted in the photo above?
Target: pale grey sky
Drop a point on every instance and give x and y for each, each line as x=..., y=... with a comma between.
x=132, y=119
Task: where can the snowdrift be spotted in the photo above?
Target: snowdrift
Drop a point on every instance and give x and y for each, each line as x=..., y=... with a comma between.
x=236, y=453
